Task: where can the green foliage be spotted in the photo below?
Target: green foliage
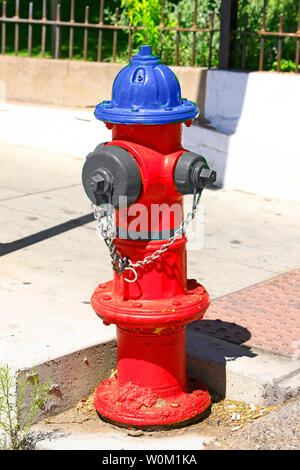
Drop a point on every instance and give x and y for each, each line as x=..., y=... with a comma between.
x=65, y=15
x=15, y=423
x=254, y=9
x=145, y=13
x=186, y=9
x=285, y=66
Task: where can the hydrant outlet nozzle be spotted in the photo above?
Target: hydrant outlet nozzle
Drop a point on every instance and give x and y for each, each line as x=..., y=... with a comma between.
x=192, y=172
x=110, y=173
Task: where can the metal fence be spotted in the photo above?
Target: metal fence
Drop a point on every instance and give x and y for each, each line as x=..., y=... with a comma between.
x=262, y=34
x=100, y=27
x=229, y=33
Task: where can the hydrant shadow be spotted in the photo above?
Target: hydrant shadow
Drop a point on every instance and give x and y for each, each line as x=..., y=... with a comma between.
x=212, y=345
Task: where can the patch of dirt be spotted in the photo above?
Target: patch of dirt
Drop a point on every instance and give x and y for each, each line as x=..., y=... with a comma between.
x=225, y=418
x=233, y=414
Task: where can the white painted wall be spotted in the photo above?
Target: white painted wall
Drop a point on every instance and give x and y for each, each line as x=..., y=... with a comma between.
x=254, y=145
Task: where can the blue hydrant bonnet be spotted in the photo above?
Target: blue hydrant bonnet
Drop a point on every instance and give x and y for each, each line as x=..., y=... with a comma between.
x=146, y=92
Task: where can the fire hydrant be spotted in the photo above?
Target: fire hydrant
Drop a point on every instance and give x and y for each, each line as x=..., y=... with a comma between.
x=136, y=184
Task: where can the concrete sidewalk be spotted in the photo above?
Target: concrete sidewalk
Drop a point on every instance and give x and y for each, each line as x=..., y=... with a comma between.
x=52, y=260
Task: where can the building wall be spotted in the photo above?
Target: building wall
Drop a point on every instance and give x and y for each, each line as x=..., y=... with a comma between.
x=252, y=137
x=77, y=83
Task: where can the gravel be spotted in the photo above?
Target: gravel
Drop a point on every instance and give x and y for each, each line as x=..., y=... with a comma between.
x=280, y=430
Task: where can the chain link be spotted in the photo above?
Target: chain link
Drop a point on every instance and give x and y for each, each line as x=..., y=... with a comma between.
x=105, y=225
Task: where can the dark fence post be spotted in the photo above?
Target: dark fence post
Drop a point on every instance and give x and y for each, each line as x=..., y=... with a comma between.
x=228, y=20
x=55, y=31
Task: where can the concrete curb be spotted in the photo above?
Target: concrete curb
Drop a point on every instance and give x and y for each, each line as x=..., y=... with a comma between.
x=118, y=441
x=238, y=372
x=72, y=377
x=235, y=372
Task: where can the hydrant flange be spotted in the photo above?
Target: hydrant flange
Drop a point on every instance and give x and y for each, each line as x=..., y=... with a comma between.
x=136, y=406
x=156, y=313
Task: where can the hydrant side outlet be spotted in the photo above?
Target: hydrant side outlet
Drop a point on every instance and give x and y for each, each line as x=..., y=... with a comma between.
x=111, y=170
x=138, y=181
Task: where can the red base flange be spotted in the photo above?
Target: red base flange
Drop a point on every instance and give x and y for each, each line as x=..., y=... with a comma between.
x=135, y=406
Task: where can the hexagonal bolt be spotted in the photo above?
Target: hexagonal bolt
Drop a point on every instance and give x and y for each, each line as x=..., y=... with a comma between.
x=207, y=176
x=100, y=183
x=97, y=183
x=201, y=176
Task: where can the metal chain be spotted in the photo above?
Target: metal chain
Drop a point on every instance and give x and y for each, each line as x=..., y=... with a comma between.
x=105, y=224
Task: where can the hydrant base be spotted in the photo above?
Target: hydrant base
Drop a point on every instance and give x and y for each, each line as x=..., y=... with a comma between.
x=133, y=406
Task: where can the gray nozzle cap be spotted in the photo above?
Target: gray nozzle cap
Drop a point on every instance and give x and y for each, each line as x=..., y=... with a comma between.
x=109, y=173
x=192, y=172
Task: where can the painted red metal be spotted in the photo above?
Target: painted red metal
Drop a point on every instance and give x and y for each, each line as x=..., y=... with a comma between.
x=151, y=313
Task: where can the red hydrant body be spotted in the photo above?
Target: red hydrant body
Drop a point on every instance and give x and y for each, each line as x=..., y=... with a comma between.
x=151, y=302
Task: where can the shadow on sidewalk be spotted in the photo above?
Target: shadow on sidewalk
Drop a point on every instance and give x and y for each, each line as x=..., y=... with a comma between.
x=211, y=344
x=6, y=248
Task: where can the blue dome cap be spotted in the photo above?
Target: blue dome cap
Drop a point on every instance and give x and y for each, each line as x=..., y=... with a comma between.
x=146, y=92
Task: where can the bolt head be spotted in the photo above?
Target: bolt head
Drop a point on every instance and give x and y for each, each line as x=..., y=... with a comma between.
x=207, y=176
x=100, y=183
x=137, y=304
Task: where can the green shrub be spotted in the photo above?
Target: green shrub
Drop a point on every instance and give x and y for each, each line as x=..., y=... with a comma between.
x=15, y=423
